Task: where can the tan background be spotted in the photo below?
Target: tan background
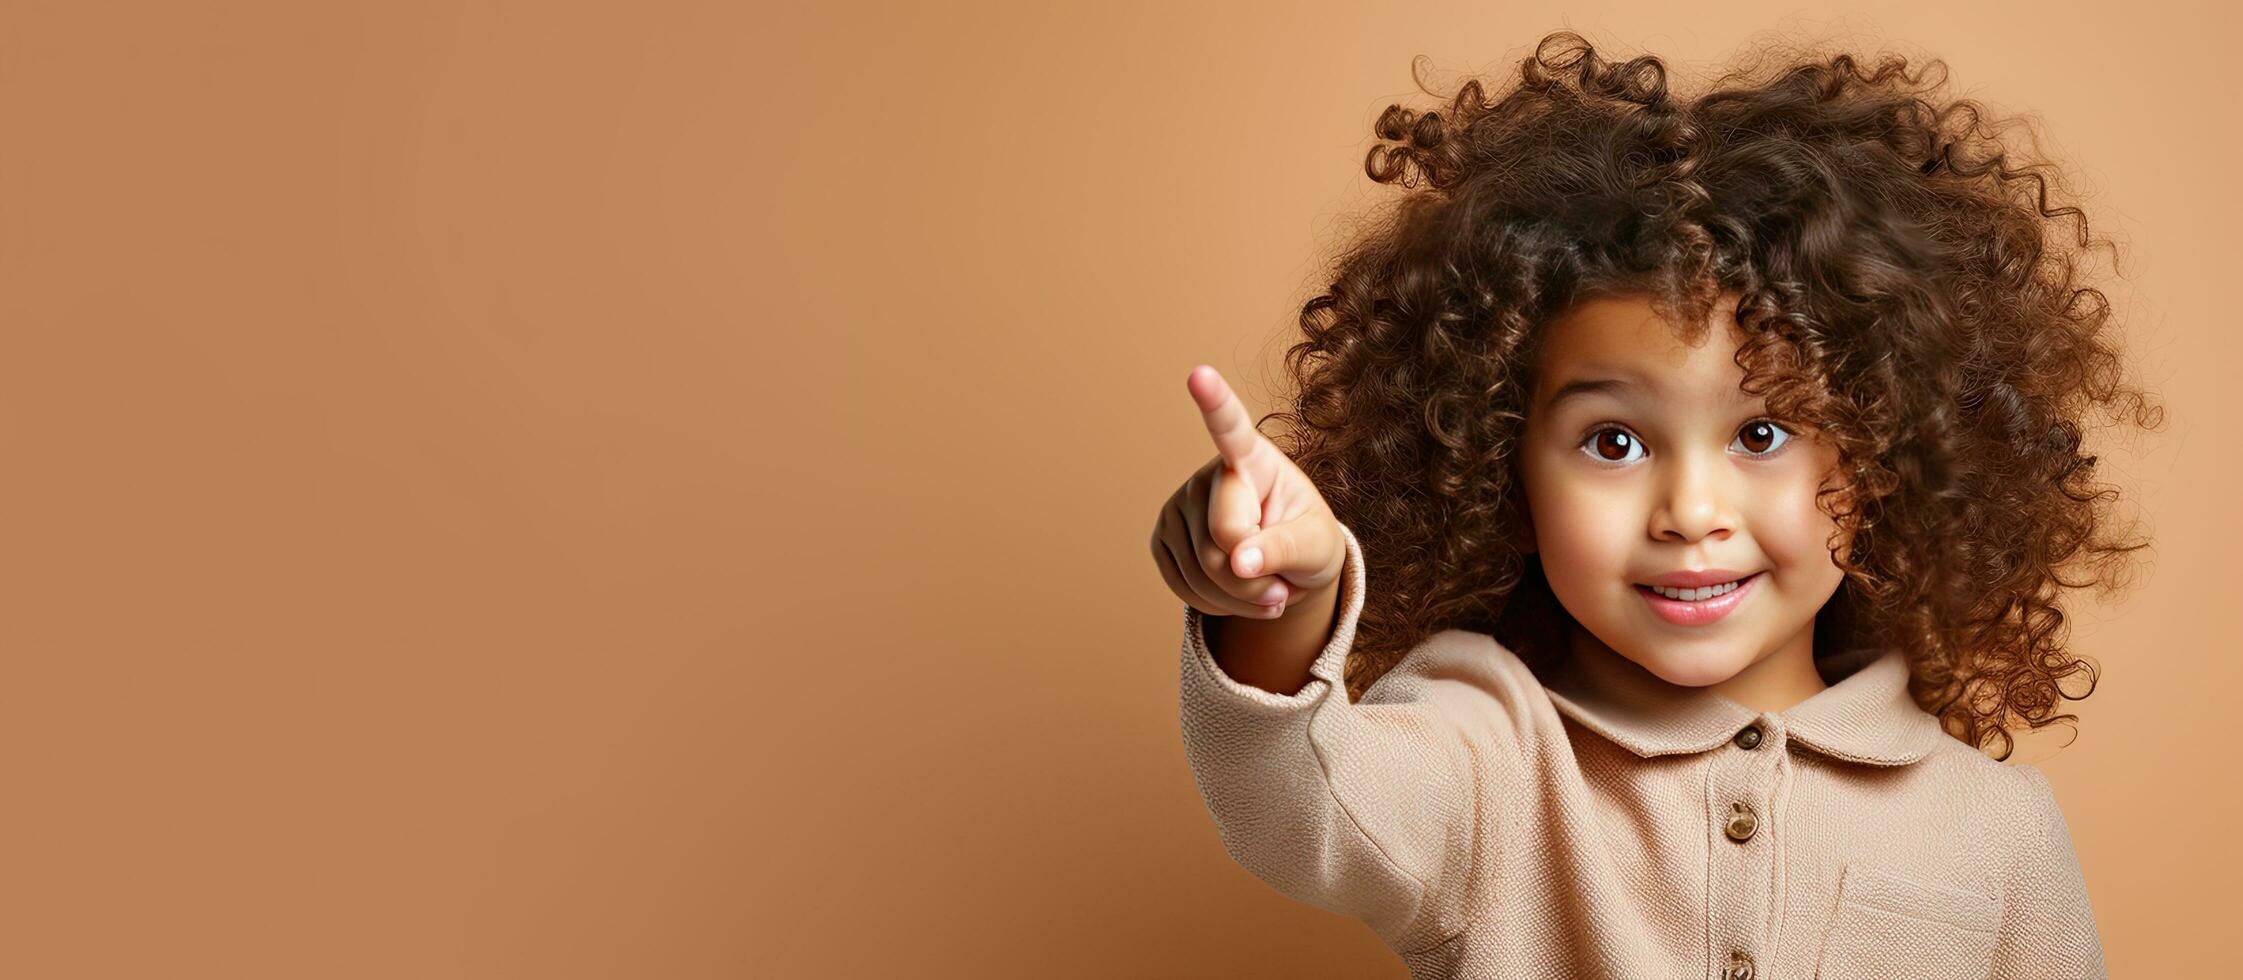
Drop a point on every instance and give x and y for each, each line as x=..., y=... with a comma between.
x=523, y=490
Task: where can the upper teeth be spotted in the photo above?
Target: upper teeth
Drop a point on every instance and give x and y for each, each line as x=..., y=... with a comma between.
x=1693, y=595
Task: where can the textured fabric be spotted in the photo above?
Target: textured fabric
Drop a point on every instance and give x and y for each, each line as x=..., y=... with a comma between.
x=1486, y=822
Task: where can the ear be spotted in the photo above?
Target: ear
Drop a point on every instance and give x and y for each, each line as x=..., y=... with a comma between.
x=1522, y=530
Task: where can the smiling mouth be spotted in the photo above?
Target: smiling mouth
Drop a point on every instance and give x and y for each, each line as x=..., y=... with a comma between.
x=1697, y=593
x=1711, y=606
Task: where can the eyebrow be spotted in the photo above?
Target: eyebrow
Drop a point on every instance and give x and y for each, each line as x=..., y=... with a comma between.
x=1606, y=386
x=1585, y=386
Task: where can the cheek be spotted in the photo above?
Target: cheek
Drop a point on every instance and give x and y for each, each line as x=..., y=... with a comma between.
x=1582, y=530
x=1800, y=537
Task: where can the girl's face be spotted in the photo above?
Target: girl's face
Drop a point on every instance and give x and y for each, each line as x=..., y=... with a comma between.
x=1642, y=459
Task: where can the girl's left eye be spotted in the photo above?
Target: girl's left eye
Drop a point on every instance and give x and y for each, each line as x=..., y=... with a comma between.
x=1764, y=430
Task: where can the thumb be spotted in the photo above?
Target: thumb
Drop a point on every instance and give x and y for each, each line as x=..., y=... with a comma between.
x=1298, y=550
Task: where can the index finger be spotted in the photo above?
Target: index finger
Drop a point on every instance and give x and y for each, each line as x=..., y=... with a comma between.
x=1234, y=433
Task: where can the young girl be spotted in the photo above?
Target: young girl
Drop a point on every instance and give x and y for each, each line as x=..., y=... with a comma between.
x=1673, y=513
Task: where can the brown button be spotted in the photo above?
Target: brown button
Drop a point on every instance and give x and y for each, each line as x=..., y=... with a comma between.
x=1740, y=967
x=1741, y=822
x=1749, y=738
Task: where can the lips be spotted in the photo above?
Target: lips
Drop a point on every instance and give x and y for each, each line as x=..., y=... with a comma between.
x=1703, y=611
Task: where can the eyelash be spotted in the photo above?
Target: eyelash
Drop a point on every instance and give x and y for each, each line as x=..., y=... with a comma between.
x=1592, y=434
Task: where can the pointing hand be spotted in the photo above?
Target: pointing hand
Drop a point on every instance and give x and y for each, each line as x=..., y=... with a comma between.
x=1247, y=533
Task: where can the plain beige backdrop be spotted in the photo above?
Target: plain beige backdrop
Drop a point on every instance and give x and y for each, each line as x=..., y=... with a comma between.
x=659, y=490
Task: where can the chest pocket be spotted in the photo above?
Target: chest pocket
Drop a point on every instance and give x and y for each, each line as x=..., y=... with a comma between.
x=1888, y=927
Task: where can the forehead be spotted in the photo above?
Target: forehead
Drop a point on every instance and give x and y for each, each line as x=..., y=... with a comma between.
x=1623, y=338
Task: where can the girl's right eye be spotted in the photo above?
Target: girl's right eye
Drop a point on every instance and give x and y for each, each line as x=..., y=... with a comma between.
x=1611, y=439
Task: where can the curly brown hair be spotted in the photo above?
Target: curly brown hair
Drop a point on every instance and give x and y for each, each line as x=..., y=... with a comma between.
x=1895, y=267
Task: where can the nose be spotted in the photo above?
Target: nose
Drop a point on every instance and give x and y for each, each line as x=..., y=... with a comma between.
x=1694, y=502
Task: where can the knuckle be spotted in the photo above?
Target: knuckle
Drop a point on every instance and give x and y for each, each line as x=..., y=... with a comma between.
x=1214, y=561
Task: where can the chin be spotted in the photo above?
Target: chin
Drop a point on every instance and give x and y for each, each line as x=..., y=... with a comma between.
x=1685, y=669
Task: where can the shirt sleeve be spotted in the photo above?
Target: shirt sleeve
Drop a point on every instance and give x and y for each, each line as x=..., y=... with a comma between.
x=1361, y=808
x=2048, y=928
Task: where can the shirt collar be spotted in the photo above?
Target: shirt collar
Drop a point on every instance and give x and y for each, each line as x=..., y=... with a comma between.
x=1865, y=717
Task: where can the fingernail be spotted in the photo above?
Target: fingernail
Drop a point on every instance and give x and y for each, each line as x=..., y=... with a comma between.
x=1250, y=561
x=1274, y=596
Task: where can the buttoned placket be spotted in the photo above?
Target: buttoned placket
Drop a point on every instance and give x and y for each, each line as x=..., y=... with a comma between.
x=1744, y=783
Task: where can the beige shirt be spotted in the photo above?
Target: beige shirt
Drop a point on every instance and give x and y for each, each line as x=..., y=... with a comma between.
x=1607, y=824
